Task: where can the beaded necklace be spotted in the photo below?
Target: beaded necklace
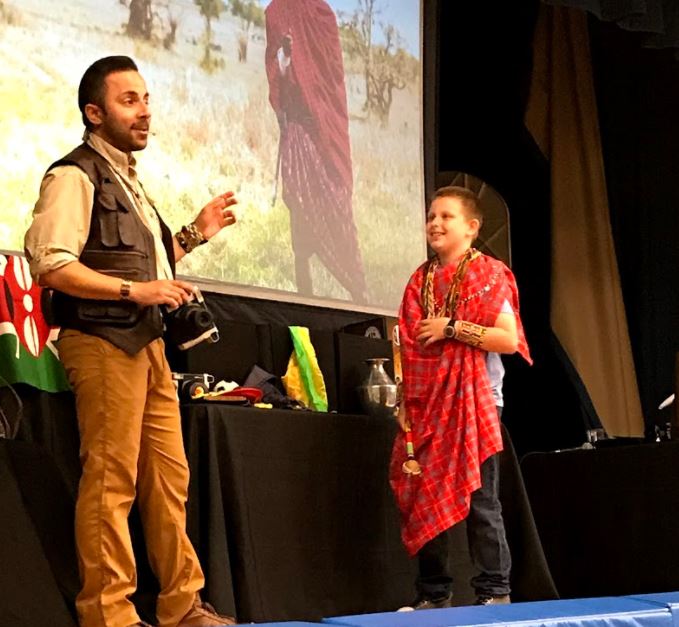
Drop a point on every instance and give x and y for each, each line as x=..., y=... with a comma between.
x=450, y=302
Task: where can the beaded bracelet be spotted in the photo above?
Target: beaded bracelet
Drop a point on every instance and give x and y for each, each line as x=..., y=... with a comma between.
x=189, y=237
x=469, y=333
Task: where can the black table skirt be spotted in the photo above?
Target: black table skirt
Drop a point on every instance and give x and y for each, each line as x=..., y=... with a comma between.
x=38, y=573
x=297, y=506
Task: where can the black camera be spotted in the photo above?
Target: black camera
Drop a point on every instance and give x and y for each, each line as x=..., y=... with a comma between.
x=191, y=323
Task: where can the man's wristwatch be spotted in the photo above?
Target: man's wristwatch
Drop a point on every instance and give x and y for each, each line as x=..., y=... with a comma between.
x=125, y=287
x=449, y=330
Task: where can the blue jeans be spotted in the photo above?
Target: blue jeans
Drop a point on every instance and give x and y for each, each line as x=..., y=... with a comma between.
x=488, y=546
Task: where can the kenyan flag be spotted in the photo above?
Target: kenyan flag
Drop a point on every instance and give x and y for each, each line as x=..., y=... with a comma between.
x=27, y=351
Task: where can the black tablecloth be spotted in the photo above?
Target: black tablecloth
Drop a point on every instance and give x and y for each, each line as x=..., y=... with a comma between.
x=297, y=506
x=37, y=554
x=608, y=518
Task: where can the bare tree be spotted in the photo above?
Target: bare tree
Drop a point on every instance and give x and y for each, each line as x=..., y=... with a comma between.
x=358, y=32
x=172, y=23
x=251, y=14
x=140, y=21
x=147, y=22
x=386, y=66
x=389, y=71
x=210, y=10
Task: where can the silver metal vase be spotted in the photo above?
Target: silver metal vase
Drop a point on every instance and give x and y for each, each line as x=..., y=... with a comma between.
x=378, y=391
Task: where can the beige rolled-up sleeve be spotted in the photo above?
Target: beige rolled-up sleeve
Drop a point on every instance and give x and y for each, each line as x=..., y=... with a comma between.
x=61, y=220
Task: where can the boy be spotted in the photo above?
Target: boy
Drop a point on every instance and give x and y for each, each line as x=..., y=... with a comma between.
x=459, y=311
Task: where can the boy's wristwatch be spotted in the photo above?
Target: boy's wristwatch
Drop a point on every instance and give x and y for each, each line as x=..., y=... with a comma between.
x=449, y=330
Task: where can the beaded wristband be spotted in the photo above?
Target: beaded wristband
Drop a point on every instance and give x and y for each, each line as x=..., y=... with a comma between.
x=189, y=237
x=470, y=333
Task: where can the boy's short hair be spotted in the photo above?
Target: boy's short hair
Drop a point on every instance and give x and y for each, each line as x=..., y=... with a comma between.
x=92, y=84
x=468, y=199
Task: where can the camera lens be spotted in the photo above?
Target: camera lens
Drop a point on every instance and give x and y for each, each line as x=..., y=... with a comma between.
x=201, y=319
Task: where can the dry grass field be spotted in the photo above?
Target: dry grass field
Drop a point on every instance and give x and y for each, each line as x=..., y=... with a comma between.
x=213, y=132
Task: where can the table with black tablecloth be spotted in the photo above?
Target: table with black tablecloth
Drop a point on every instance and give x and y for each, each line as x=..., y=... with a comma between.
x=608, y=518
x=38, y=572
x=297, y=507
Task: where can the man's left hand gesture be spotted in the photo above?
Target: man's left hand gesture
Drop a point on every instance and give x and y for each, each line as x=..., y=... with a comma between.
x=214, y=216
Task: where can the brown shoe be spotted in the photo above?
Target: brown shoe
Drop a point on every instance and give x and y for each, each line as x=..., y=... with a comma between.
x=501, y=599
x=204, y=615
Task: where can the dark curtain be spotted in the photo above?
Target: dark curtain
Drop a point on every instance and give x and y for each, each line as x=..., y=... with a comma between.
x=638, y=100
x=656, y=20
x=484, y=73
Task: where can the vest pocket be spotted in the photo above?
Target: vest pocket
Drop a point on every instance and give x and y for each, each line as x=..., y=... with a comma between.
x=108, y=224
x=126, y=228
x=112, y=312
x=125, y=264
x=118, y=227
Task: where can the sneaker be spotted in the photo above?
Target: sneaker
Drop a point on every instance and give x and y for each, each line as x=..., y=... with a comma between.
x=427, y=604
x=204, y=615
x=485, y=599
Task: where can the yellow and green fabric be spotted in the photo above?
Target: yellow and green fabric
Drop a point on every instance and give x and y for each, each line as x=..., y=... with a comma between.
x=303, y=379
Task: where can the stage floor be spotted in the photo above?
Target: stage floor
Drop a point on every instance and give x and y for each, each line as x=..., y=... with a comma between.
x=647, y=610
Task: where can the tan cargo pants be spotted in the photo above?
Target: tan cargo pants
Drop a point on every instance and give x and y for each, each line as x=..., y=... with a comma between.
x=130, y=445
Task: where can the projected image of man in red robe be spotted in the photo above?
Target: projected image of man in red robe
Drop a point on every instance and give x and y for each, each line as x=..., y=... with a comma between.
x=306, y=89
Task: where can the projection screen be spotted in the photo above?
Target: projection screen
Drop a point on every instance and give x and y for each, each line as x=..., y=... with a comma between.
x=311, y=111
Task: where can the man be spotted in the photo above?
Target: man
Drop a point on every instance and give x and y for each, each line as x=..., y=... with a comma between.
x=459, y=311
x=306, y=89
x=97, y=240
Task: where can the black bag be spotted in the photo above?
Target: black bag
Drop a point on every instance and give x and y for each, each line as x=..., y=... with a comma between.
x=265, y=381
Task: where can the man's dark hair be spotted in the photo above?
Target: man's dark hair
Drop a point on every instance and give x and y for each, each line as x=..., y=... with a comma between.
x=468, y=199
x=92, y=84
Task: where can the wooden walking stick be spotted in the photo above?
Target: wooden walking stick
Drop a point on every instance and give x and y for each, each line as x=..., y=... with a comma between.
x=279, y=156
x=411, y=466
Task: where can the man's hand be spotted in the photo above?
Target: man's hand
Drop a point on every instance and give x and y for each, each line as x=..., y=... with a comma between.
x=214, y=216
x=163, y=292
x=430, y=330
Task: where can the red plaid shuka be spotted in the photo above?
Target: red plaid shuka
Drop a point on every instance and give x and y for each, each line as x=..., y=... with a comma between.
x=448, y=401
